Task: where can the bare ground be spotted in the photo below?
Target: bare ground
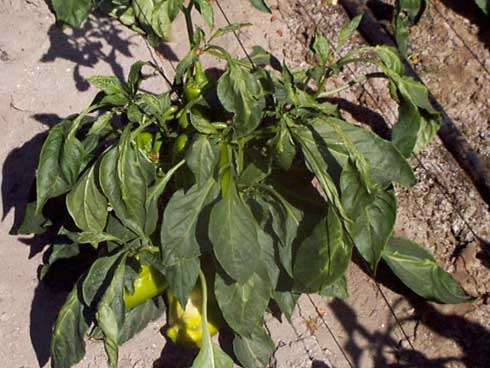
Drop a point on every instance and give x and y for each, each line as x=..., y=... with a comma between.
x=43, y=73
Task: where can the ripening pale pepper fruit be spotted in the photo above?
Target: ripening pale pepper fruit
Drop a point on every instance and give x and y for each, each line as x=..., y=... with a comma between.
x=185, y=325
x=148, y=284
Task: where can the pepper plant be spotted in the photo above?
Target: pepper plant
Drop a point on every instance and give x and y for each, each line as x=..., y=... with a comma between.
x=226, y=197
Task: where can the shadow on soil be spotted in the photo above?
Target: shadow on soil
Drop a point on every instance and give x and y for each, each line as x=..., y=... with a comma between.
x=469, y=10
x=472, y=339
x=98, y=40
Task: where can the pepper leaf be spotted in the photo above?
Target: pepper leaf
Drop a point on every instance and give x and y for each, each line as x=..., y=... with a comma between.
x=242, y=304
x=416, y=267
x=254, y=351
x=373, y=215
x=232, y=231
x=240, y=93
x=111, y=312
x=323, y=257
x=67, y=341
x=210, y=355
x=87, y=205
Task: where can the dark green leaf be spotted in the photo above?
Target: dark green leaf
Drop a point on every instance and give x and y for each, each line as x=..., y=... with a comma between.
x=72, y=12
x=286, y=300
x=125, y=176
x=134, y=78
x=182, y=277
x=59, y=252
x=33, y=223
x=202, y=158
x=210, y=355
x=109, y=85
x=373, y=215
x=241, y=94
x=242, y=304
x=87, y=205
x=416, y=267
x=111, y=312
x=232, y=230
x=67, y=340
x=179, y=239
x=284, y=148
x=318, y=163
x=60, y=162
x=323, y=257
x=206, y=10
x=137, y=318
x=285, y=222
x=98, y=275
x=254, y=351
x=337, y=290
x=261, y=5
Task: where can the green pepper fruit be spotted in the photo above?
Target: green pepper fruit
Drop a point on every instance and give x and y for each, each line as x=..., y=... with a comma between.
x=193, y=88
x=144, y=141
x=185, y=325
x=180, y=146
x=148, y=284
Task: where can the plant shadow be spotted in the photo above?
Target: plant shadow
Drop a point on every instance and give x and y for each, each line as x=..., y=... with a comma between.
x=471, y=338
x=98, y=40
x=470, y=11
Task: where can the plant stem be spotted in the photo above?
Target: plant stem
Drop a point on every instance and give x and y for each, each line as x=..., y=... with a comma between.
x=351, y=83
x=188, y=22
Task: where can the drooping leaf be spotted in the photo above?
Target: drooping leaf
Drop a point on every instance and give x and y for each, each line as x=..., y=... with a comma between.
x=286, y=300
x=240, y=93
x=72, y=12
x=182, y=277
x=202, y=158
x=386, y=164
x=33, y=223
x=416, y=267
x=206, y=10
x=59, y=252
x=254, y=351
x=67, y=340
x=179, y=238
x=210, y=355
x=337, y=290
x=285, y=222
x=139, y=317
x=61, y=160
x=323, y=257
x=125, y=177
x=99, y=274
x=373, y=215
x=111, y=312
x=318, y=162
x=232, y=231
x=406, y=14
x=242, y=304
x=87, y=205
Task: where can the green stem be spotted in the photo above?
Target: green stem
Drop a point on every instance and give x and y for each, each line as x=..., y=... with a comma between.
x=349, y=84
x=204, y=311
